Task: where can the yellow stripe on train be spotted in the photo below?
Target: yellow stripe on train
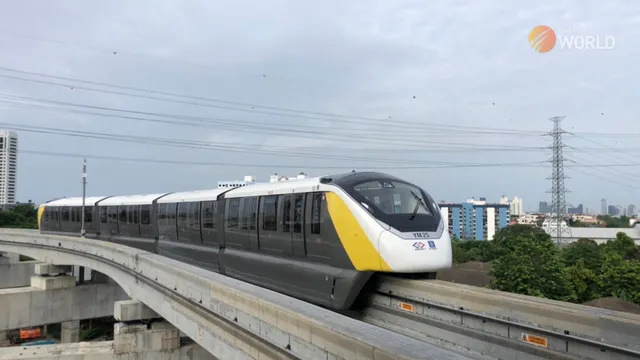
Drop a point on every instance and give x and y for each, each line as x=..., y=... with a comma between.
x=355, y=241
x=40, y=212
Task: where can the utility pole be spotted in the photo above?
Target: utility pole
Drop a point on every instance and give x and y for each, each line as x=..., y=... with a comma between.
x=84, y=194
x=558, y=200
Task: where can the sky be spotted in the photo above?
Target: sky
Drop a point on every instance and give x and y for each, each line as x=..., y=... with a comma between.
x=165, y=96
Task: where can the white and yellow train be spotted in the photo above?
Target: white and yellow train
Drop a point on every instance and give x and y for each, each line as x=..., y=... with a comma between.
x=318, y=239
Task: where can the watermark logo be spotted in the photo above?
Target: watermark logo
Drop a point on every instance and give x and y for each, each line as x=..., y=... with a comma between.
x=543, y=39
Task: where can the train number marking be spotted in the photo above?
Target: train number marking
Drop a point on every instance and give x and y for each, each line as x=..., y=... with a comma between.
x=421, y=235
x=535, y=340
x=405, y=306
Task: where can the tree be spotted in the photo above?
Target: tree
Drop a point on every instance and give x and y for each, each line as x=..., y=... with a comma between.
x=21, y=216
x=585, y=250
x=624, y=246
x=620, y=278
x=532, y=267
x=583, y=281
x=506, y=240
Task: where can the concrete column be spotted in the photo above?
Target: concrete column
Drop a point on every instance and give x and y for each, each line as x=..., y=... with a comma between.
x=70, y=331
x=139, y=338
x=132, y=336
x=4, y=338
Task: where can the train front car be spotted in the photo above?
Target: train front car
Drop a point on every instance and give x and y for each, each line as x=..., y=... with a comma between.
x=402, y=222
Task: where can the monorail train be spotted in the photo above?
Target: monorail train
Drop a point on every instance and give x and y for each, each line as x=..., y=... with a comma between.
x=317, y=239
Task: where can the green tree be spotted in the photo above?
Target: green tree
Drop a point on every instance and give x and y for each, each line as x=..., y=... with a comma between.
x=532, y=267
x=506, y=239
x=21, y=216
x=584, y=282
x=623, y=246
x=585, y=250
x=620, y=278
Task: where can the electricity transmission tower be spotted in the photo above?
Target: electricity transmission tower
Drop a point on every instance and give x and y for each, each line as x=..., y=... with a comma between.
x=558, y=201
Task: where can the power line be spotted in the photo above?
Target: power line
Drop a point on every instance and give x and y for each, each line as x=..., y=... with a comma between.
x=342, y=118
x=202, y=145
x=262, y=165
x=228, y=122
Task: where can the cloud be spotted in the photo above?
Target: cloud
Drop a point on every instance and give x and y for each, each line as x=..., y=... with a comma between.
x=444, y=63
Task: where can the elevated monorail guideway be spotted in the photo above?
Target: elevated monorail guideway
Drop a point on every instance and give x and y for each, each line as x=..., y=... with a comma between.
x=227, y=317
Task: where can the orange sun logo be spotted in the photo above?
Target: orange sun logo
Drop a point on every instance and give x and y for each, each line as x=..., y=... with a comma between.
x=542, y=38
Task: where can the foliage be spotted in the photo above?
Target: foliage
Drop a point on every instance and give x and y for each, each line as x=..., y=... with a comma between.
x=615, y=222
x=585, y=250
x=525, y=260
x=21, y=216
x=533, y=267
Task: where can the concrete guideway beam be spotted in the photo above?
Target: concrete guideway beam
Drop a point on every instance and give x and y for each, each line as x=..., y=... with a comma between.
x=611, y=327
x=227, y=317
x=102, y=350
x=24, y=307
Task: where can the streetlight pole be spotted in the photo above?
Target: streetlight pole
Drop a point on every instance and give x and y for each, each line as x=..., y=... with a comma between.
x=84, y=193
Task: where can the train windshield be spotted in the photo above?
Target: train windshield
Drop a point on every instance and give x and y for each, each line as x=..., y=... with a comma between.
x=398, y=204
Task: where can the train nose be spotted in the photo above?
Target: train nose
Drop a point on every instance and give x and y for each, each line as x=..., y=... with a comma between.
x=415, y=255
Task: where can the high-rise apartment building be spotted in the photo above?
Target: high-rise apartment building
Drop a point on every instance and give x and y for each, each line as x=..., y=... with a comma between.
x=603, y=207
x=8, y=167
x=517, y=208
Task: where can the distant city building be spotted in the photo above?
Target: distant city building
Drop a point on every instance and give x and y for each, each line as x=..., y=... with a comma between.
x=475, y=219
x=598, y=234
x=544, y=207
x=576, y=210
x=603, y=207
x=631, y=210
x=8, y=167
x=612, y=210
x=517, y=207
x=587, y=210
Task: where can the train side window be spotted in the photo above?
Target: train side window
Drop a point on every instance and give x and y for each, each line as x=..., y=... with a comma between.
x=194, y=216
x=123, y=214
x=297, y=213
x=88, y=214
x=270, y=213
x=65, y=214
x=316, y=207
x=145, y=214
x=46, y=215
x=253, y=214
x=172, y=213
x=286, y=214
x=233, y=214
x=103, y=214
x=162, y=214
x=183, y=215
x=207, y=215
x=244, y=216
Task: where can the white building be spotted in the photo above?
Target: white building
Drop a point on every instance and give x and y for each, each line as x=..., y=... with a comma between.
x=517, y=207
x=8, y=167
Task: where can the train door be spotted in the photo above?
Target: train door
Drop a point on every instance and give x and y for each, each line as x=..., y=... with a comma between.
x=285, y=230
x=297, y=234
x=318, y=245
x=251, y=206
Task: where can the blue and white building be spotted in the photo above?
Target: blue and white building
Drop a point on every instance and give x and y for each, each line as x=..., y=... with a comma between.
x=475, y=220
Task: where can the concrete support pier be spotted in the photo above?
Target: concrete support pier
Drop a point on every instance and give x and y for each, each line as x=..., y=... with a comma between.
x=70, y=331
x=131, y=335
